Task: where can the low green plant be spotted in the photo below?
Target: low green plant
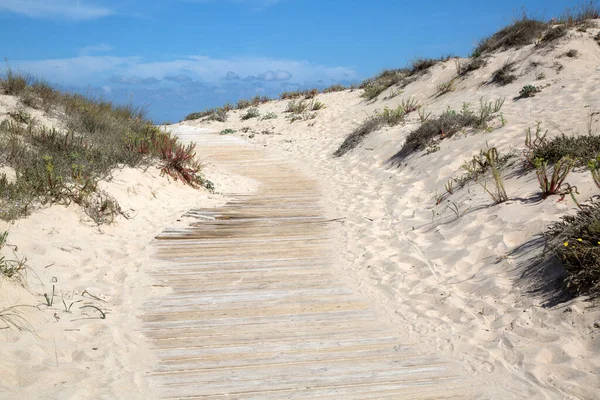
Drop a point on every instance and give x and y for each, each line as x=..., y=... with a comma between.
x=551, y=182
x=227, y=131
x=575, y=242
x=423, y=115
x=297, y=107
x=594, y=167
x=316, y=105
x=303, y=116
x=391, y=117
x=580, y=148
x=11, y=268
x=445, y=87
x=251, y=113
x=269, y=115
x=498, y=192
x=529, y=91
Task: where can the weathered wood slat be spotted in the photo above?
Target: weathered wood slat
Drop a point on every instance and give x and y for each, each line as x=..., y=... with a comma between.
x=255, y=309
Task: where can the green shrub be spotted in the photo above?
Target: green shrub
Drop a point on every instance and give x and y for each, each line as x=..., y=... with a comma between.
x=251, y=113
x=227, y=131
x=316, y=105
x=504, y=76
x=297, y=107
x=580, y=149
x=528, y=91
x=575, y=242
x=269, y=115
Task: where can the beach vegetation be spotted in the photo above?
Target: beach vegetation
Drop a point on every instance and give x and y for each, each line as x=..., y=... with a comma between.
x=504, y=75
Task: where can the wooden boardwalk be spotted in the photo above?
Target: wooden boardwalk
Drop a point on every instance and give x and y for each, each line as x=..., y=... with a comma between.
x=258, y=312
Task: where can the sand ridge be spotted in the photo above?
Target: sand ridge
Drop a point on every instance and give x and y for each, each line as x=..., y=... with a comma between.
x=454, y=282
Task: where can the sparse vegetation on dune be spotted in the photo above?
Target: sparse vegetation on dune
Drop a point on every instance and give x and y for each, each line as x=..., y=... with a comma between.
x=447, y=125
x=504, y=75
x=520, y=33
x=389, y=117
x=575, y=242
x=56, y=166
x=581, y=149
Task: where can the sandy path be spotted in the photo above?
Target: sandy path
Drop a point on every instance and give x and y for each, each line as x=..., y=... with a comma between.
x=255, y=308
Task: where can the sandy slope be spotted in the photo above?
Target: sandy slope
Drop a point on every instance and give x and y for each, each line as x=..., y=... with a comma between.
x=453, y=283
x=66, y=350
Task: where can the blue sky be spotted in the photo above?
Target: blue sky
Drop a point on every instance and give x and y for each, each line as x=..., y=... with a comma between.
x=179, y=56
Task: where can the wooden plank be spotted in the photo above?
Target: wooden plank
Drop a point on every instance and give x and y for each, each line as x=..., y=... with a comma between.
x=256, y=310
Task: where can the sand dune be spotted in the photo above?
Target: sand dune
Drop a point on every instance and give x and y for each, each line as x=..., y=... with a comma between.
x=451, y=279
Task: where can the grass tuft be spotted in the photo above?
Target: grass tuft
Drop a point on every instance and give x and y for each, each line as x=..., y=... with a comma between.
x=503, y=75
x=518, y=34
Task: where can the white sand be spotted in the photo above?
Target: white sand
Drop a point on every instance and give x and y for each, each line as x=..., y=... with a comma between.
x=448, y=283
x=69, y=351
x=453, y=283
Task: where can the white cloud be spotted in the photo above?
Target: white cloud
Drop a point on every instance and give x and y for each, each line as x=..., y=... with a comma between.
x=98, y=69
x=68, y=9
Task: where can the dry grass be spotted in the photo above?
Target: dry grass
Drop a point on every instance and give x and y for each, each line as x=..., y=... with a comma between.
x=504, y=75
x=520, y=33
x=54, y=166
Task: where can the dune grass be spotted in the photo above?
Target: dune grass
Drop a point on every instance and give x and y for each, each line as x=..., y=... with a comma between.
x=65, y=165
x=387, y=117
x=447, y=125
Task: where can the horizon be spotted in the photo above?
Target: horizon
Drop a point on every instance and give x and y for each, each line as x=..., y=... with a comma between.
x=126, y=53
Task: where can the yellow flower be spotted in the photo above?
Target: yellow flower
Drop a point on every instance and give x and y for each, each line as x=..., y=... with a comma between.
x=567, y=243
x=580, y=240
